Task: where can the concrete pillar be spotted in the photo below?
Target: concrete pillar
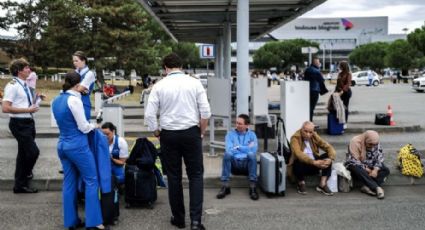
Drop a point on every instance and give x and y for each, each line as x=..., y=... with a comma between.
x=243, y=82
x=227, y=50
x=219, y=58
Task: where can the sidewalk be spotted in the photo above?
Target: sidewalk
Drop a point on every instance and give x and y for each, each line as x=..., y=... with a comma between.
x=46, y=176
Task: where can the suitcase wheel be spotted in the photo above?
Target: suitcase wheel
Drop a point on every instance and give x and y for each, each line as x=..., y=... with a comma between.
x=150, y=205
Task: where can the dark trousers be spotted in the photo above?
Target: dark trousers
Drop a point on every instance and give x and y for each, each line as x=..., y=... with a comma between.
x=186, y=144
x=361, y=174
x=23, y=129
x=314, y=97
x=345, y=97
x=301, y=169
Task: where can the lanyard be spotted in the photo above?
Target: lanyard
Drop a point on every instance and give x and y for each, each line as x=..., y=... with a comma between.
x=26, y=91
x=178, y=72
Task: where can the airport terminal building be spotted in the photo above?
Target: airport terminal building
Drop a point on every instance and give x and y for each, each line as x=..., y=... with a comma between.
x=337, y=36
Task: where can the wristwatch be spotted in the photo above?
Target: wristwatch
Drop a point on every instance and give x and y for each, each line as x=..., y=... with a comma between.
x=156, y=133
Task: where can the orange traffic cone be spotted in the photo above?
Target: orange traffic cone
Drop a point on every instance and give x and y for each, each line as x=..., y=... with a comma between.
x=390, y=113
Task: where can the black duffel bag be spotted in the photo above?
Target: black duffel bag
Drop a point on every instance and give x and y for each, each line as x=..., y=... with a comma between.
x=382, y=119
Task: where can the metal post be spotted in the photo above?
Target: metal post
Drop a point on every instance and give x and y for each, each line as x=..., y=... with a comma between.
x=324, y=60
x=243, y=81
x=330, y=58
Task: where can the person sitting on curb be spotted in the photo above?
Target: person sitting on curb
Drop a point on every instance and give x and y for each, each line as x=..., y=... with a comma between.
x=305, y=159
x=240, y=156
x=365, y=161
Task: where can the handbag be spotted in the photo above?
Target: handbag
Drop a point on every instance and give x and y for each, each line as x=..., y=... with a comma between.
x=382, y=119
x=343, y=184
x=323, y=89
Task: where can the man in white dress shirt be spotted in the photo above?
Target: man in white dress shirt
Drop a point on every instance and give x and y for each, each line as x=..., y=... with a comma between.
x=19, y=103
x=183, y=118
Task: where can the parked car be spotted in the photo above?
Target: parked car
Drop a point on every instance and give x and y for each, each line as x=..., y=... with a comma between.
x=419, y=84
x=361, y=78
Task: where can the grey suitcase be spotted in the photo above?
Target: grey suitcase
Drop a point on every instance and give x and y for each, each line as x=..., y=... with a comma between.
x=272, y=174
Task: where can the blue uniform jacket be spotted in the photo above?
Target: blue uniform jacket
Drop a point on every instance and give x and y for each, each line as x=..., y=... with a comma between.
x=240, y=144
x=99, y=146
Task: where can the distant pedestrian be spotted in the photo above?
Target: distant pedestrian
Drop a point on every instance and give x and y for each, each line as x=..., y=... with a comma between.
x=87, y=77
x=184, y=111
x=398, y=77
x=343, y=84
x=313, y=75
x=32, y=80
x=19, y=103
x=370, y=77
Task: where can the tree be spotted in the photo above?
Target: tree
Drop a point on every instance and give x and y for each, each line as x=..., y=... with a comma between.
x=189, y=53
x=417, y=39
x=115, y=33
x=282, y=54
x=29, y=19
x=370, y=55
x=401, y=55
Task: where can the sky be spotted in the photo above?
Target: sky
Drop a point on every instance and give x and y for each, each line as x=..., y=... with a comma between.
x=401, y=13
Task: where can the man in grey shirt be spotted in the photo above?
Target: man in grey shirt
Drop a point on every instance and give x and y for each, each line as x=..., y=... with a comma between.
x=184, y=112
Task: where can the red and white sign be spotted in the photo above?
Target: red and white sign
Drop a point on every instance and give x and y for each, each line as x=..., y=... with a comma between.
x=207, y=51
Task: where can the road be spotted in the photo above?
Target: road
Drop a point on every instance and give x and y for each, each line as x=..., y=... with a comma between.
x=403, y=208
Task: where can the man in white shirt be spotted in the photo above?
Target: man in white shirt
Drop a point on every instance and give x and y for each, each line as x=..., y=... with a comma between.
x=183, y=118
x=19, y=103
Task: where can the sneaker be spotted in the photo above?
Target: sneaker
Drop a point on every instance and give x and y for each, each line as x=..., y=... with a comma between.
x=253, y=193
x=380, y=193
x=197, y=226
x=345, y=126
x=367, y=190
x=301, y=189
x=223, y=192
x=325, y=190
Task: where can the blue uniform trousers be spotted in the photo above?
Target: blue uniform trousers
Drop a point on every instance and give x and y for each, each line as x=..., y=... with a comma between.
x=75, y=162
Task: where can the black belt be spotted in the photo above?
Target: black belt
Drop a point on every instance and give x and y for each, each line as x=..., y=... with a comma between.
x=22, y=118
x=180, y=130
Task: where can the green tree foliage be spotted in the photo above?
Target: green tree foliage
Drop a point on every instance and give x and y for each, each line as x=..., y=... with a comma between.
x=282, y=54
x=401, y=55
x=370, y=55
x=189, y=53
x=417, y=39
x=116, y=33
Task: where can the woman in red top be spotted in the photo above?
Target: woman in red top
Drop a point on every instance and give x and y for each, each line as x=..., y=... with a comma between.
x=343, y=84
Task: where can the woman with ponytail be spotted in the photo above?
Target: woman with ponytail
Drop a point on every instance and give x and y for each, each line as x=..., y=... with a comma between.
x=87, y=79
x=75, y=156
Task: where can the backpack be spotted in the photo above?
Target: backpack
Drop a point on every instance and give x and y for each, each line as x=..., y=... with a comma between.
x=143, y=154
x=410, y=161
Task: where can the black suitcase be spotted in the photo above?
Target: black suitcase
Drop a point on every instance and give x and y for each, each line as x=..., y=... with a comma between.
x=140, y=187
x=110, y=204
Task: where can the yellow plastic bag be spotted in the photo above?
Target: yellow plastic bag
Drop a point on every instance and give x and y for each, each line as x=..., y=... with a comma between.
x=410, y=161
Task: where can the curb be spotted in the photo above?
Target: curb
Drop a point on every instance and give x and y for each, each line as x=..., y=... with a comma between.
x=394, y=179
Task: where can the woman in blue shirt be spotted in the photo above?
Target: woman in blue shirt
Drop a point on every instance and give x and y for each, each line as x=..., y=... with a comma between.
x=118, y=148
x=87, y=79
x=75, y=155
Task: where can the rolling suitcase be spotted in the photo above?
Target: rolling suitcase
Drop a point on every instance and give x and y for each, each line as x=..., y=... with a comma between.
x=272, y=174
x=140, y=187
x=334, y=127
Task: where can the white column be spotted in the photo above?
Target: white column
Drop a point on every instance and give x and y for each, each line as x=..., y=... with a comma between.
x=218, y=65
x=243, y=82
x=227, y=50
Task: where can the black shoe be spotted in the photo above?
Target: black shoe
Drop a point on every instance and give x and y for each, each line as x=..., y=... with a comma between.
x=253, y=193
x=197, y=226
x=24, y=190
x=177, y=223
x=79, y=225
x=223, y=192
x=96, y=228
x=30, y=176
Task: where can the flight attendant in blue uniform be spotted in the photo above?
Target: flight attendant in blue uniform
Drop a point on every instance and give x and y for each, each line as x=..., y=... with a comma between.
x=87, y=79
x=118, y=149
x=75, y=155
